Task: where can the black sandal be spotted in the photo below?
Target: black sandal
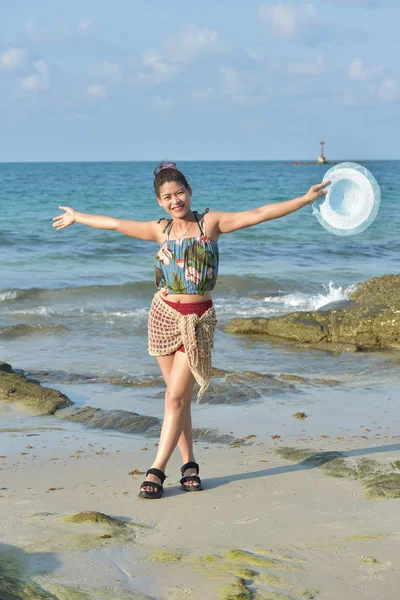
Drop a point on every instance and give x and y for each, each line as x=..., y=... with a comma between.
x=159, y=488
x=190, y=488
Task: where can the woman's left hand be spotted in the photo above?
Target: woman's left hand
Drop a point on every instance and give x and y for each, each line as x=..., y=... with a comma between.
x=315, y=192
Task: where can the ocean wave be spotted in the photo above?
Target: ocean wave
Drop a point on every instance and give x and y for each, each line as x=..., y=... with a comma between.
x=235, y=296
x=246, y=284
x=23, y=330
x=107, y=316
x=305, y=302
x=77, y=294
x=8, y=295
x=280, y=304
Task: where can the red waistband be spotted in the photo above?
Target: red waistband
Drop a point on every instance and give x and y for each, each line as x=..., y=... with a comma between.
x=190, y=307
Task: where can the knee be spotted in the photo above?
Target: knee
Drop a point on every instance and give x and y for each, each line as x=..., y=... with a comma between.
x=174, y=401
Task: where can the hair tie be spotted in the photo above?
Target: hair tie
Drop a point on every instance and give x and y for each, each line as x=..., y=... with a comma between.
x=167, y=165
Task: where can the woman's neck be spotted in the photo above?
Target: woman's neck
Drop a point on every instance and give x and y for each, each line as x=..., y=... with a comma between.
x=180, y=226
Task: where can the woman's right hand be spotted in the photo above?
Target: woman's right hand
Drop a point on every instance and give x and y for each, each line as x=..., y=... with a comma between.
x=63, y=221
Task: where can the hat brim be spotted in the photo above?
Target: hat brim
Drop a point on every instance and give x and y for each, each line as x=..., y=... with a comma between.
x=352, y=200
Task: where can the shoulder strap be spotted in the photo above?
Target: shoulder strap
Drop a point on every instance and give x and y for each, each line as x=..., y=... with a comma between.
x=198, y=222
x=167, y=227
x=201, y=223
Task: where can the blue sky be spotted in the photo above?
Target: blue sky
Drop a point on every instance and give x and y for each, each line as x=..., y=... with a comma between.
x=130, y=80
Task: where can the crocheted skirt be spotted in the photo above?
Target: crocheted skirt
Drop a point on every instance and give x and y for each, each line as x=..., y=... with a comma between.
x=169, y=330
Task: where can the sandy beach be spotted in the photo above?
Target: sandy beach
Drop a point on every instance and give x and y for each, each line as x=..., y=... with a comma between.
x=151, y=147
x=300, y=516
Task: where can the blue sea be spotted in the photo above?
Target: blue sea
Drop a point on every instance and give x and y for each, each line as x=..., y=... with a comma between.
x=80, y=296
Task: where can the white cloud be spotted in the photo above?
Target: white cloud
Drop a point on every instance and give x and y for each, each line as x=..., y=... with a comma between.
x=96, y=91
x=158, y=103
x=86, y=25
x=357, y=70
x=311, y=69
x=12, y=59
x=108, y=70
x=231, y=81
x=183, y=47
x=389, y=90
x=238, y=86
x=155, y=70
x=39, y=80
x=191, y=41
x=286, y=20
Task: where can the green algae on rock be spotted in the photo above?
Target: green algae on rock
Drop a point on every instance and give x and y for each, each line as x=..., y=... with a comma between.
x=94, y=517
x=219, y=567
x=273, y=580
x=119, y=420
x=13, y=589
x=332, y=463
x=338, y=467
x=13, y=562
x=369, y=560
x=118, y=528
x=211, y=436
x=371, y=321
x=278, y=554
x=17, y=389
x=70, y=593
x=78, y=533
x=254, y=559
x=103, y=593
x=379, y=481
x=312, y=381
x=168, y=556
x=208, y=558
x=235, y=591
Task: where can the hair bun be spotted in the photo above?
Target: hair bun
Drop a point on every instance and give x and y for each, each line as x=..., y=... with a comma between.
x=164, y=165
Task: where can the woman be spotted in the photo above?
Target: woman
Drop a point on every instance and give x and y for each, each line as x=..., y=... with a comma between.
x=182, y=318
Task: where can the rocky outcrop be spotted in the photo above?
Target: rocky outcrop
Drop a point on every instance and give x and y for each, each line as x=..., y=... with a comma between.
x=370, y=321
x=15, y=388
x=118, y=420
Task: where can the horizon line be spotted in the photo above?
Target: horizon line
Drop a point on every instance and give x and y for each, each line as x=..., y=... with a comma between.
x=286, y=160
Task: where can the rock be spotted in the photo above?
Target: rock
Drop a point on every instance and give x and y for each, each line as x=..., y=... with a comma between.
x=119, y=420
x=18, y=389
x=379, y=291
x=370, y=321
x=299, y=415
x=379, y=480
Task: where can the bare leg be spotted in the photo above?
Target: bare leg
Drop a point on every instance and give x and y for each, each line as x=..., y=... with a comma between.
x=180, y=382
x=185, y=442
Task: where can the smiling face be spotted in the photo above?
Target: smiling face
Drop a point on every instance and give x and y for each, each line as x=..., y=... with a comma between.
x=174, y=198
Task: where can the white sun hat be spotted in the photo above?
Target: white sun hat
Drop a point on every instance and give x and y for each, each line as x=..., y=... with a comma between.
x=352, y=199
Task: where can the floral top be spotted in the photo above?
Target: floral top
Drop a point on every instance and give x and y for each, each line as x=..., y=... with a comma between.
x=189, y=265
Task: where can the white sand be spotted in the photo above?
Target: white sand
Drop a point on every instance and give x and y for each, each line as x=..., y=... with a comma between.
x=338, y=544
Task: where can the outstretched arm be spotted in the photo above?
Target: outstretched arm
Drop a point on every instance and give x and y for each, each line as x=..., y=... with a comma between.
x=227, y=222
x=144, y=230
